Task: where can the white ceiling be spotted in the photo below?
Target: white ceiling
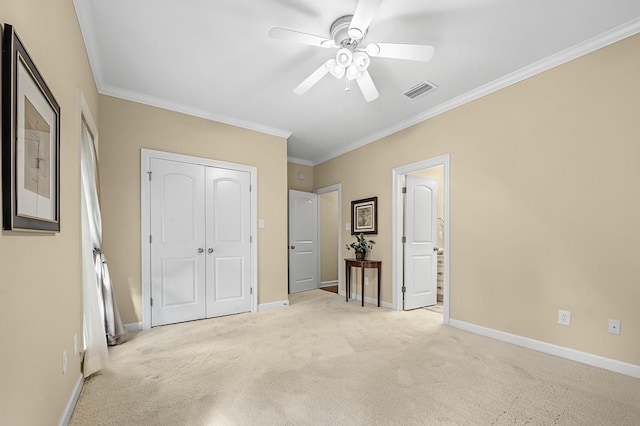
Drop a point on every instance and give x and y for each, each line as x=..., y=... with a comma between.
x=214, y=59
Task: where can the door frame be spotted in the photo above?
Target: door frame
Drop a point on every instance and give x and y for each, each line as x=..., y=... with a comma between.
x=398, y=174
x=331, y=188
x=145, y=220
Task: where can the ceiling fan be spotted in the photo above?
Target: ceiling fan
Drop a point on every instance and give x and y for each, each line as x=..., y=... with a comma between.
x=347, y=34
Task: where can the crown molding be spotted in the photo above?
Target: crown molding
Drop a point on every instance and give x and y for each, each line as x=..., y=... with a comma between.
x=153, y=101
x=299, y=161
x=598, y=42
x=85, y=20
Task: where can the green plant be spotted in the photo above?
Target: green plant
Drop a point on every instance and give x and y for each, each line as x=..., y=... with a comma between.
x=361, y=244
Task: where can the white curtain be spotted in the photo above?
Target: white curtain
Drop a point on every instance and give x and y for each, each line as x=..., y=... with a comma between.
x=96, y=356
x=102, y=324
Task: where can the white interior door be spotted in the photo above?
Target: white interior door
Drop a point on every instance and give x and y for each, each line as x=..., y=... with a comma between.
x=228, y=239
x=420, y=248
x=303, y=241
x=177, y=242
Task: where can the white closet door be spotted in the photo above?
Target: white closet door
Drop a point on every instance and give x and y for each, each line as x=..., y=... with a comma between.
x=420, y=257
x=303, y=241
x=178, y=241
x=228, y=242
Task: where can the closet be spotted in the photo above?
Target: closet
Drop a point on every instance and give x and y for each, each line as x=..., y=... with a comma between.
x=200, y=241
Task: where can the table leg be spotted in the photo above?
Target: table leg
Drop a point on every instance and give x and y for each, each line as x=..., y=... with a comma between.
x=379, y=267
x=347, y=282
x=362, y=276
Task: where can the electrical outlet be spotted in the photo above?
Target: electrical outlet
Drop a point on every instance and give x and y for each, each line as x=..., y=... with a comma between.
x=75, y=344
x=614, y=326
x=564, y=317
x=64, y=362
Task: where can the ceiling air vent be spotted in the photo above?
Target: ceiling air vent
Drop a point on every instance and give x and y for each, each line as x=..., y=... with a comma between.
x=420, y=89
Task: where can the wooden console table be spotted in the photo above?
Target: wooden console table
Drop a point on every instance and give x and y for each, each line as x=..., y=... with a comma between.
x=362, y=264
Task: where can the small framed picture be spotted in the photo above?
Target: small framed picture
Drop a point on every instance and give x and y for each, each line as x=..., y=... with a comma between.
x=364, y=216
x=30, y=143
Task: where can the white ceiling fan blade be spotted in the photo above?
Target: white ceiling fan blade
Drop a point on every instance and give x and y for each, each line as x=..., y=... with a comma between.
x=298, y=37
x=412, y=52
x=367, y=87
x=362, y=17
x=310, y=81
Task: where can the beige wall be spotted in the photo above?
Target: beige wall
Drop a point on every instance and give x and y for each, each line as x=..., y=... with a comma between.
x=545, y=201
x=40, y=287
x=329, y=236
x=125, y=128
x=294, y=181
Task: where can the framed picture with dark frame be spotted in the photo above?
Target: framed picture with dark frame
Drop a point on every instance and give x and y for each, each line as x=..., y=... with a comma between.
x=364, y=216
x=30, y=143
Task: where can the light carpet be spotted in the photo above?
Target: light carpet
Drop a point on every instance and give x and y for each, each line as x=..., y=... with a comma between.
x=325, y=361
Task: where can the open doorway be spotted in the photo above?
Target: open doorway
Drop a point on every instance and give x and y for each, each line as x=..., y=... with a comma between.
x=329, y=237
x=431, y=178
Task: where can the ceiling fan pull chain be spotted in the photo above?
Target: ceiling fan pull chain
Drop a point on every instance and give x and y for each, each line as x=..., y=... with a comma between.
x=347, y=88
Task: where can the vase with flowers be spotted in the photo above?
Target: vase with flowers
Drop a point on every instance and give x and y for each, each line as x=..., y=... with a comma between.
x=361, y=246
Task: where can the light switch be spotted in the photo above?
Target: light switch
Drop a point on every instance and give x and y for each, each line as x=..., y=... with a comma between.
x=260, y=223
x=347, y=226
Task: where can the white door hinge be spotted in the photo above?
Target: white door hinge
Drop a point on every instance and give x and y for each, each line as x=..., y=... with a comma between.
x=404, y=239
x=251, y=290
x=250, y=238
x=404, y=189
x=150, y=239
x=152, y=301
x=404, y=289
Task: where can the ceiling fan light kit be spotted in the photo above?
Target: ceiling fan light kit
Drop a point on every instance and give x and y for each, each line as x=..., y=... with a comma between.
x=335, y=69
x=344, y=57
x=361, y=60
x=353, y=73
x=352, y=60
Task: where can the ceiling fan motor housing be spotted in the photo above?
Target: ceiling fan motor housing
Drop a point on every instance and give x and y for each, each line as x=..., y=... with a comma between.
x=340, y=35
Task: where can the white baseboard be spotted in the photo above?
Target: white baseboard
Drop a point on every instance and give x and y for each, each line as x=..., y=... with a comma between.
x=263, y=307
x=133, y=326
x=370, y=300
x=71, y=404
x=328, y=283
x=549, y=348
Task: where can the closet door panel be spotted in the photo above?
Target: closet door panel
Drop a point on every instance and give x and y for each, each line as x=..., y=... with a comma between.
x=228, y=241
x=177, y=245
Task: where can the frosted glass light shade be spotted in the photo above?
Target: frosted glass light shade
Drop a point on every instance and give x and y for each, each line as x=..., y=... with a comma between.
x=344, y=57
x=361, y=60
x=336, y=70
x=353, y=72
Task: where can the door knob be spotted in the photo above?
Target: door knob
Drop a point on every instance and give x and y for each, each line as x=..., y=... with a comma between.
x=293, y=247
x=200, y=250
x=210, y=251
